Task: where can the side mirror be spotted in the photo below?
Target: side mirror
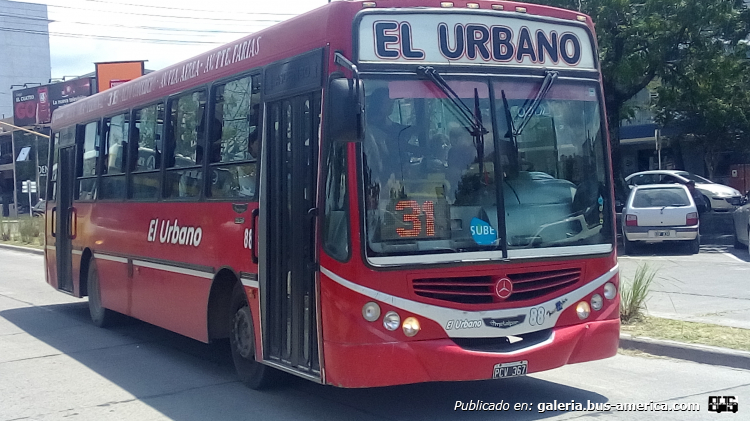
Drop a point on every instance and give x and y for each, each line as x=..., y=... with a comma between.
x=345, y=110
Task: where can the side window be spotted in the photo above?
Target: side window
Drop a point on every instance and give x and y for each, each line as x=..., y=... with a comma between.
x=184, y=147
x=115, y=157
x=55, y=158
x=336, y=228
x=88, y=152
x=234, y=141
x=66, y=136
x=146, y=150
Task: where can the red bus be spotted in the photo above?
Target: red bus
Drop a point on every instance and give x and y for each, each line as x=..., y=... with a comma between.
x=372, y=193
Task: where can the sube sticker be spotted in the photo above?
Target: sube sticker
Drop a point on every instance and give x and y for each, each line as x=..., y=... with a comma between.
x=482, y=232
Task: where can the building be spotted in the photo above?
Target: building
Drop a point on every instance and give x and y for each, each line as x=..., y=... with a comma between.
x=24, y=49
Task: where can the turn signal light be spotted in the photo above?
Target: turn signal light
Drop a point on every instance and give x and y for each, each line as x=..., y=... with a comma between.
x=631, y=220
x=692, y=218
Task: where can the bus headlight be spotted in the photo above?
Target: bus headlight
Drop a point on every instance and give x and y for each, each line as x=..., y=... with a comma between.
x=583, y=310
x=391, y=321
x=371, y=311
x=610, y=290
x=597, y=302
x=411, y=326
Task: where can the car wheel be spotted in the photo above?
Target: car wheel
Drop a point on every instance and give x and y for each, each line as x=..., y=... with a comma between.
x=242, y=342
x=695, y=245
x=628, y=247
x=102, y=317
x=737, y=244
x=707, y=201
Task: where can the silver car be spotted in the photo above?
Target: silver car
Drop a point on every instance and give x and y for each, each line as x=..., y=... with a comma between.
x=741, y=218
x=658, y=213
x=717, y=196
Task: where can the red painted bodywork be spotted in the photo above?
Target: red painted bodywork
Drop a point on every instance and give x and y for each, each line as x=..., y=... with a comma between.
x=355, y=353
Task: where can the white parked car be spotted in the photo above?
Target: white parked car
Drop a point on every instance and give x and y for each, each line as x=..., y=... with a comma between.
x=741, y=218
x=659, y=213
x=716, y=196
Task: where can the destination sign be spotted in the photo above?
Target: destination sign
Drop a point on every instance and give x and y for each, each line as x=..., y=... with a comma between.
x=473, y=39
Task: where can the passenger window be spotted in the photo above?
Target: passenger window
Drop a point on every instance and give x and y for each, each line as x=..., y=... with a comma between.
x=234, y=140
x=88, y=152
x=184, y=148
x=148, y=124
x=115, y=157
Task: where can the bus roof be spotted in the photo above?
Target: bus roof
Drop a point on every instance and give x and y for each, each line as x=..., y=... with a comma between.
x=314, y=29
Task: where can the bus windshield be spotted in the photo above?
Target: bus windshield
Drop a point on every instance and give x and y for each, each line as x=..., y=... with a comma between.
x=430, y=178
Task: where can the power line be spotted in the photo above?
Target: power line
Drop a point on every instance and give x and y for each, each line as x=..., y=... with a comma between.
x=160, y=28
x=192, y=10
x=163, y=16
x=110, y=38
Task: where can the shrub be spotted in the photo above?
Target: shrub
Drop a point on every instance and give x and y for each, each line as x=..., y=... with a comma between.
x=633, y=295
x=30, y=228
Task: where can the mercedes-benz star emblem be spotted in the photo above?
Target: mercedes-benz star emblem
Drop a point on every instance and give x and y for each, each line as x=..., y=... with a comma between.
x=503, y=288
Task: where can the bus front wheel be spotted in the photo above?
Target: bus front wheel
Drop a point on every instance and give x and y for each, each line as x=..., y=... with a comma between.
x=242, y=342
x=101, y=316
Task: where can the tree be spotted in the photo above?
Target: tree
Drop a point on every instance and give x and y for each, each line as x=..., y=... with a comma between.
x=706, y=95
x=639, y=39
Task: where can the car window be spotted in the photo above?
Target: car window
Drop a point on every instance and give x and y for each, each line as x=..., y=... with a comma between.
x=669, y=179
x=652, y=198
x=696, y=178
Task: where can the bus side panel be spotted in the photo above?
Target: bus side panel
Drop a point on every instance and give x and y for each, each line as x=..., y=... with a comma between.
x=114, y=285
x=81, y=240
x=50, y=262
x=174, y=301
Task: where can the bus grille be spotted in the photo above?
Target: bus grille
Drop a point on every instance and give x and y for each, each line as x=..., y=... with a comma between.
x=481, y=289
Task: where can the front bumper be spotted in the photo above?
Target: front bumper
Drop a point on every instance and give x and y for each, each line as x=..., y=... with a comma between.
x=725, y=203
x=393, y=363
x=646, y=234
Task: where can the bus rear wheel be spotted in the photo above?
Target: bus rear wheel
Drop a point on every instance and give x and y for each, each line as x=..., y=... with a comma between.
x=242, y=342
x=102, y=317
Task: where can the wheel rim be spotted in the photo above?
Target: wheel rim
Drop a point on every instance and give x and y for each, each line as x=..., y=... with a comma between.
x=243, y=335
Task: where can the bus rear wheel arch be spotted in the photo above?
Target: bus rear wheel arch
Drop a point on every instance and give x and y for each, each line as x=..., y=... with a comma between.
x=252, y=373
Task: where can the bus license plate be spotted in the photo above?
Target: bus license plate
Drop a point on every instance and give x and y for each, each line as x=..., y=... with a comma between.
x=515, y=369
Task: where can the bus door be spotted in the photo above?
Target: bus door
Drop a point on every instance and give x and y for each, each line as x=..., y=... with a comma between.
x=290, y=328
x=64, y=226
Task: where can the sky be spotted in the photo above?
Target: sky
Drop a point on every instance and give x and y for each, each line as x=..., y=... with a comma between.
x=83, y=32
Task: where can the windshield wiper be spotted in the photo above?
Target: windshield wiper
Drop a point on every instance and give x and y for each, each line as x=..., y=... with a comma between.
x=471, y=120
x=549, y=78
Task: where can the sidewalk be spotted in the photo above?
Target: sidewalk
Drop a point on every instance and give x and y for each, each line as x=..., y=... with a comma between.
x=691, y=352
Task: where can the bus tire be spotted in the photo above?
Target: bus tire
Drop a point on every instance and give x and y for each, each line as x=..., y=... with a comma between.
x=102, y=317
x=253, y=374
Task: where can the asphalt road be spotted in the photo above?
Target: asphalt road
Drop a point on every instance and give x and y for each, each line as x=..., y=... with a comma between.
x=55, y=365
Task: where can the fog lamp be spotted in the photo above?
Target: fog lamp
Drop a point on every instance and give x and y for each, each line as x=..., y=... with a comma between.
x=583, y=310
x=411, y=326
x=597, y=302
x=391, y=321
x=610, y=290
x=371, y=311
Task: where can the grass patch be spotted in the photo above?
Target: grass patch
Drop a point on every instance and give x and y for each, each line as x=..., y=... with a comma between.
x=691, y=332
x=633, y=294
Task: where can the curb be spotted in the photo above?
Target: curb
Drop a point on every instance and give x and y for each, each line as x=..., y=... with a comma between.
x=705, y=354
x=21, y=249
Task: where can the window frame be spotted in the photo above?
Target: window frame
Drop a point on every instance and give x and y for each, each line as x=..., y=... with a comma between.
x=168, y=132
x=103, y=164
x=255, y=74
x=80, y=142
x=134, y=143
